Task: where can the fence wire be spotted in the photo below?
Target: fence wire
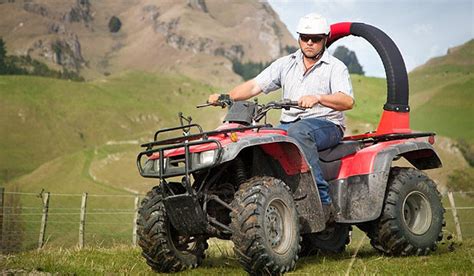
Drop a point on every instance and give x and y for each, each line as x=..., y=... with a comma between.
x=109, y=220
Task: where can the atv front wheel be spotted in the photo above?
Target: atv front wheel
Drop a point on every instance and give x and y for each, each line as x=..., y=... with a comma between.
x=163, y=248
x=412, y=218
x=333, y=240
x=265, y=226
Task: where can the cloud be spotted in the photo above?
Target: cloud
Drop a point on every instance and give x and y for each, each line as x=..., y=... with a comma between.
x=422, y=29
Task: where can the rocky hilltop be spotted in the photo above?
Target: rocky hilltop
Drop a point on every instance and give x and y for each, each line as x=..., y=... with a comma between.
x=198, y=38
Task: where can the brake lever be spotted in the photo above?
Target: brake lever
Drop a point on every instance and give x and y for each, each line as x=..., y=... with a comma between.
x=211, y=104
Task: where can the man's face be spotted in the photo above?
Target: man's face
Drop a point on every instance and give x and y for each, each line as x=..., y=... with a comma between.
x=311, y=44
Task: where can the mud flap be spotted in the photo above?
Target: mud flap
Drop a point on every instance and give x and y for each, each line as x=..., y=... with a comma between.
x=186, y=214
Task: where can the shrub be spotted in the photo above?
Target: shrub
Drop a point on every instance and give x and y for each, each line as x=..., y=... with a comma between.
x=461, y=180
x=467, y=151
x=114, y=24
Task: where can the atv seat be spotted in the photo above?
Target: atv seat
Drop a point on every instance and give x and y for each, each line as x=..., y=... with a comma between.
x=330, y=159
x=342, y=149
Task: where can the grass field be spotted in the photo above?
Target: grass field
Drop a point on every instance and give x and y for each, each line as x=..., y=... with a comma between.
x=47, y=118
x=451, y=258
x=98, y=167
x=69, y=138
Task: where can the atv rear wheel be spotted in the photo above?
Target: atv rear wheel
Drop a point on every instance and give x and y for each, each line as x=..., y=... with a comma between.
x=412, y=218
x=163, y=248
x=332, y=240
x=265, y=226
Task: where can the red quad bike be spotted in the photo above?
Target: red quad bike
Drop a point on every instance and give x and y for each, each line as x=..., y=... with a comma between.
x=250, y=183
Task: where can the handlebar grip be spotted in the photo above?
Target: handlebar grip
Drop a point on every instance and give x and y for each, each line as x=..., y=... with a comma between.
x=203, y=105
x=289, y=102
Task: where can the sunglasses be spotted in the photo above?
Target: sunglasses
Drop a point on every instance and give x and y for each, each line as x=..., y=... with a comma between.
x=314, y=38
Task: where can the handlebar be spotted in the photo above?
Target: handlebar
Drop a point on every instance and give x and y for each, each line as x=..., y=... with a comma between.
x=261, y=110
x=283, y=104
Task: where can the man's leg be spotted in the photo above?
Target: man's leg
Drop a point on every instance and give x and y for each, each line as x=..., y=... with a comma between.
x=312, y=135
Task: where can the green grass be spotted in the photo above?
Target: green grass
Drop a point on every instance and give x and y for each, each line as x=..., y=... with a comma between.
x=450, y=258
x=43, y=118
x=450, y=111
x=370, y=96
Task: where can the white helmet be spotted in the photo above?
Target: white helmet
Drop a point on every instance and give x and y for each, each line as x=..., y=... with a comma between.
x=313, y=23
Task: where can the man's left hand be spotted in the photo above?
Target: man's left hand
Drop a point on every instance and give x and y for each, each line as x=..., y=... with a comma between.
x=309, y=101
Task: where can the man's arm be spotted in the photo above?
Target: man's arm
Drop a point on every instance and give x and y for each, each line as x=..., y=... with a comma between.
x=241, y=92
x=338, y=101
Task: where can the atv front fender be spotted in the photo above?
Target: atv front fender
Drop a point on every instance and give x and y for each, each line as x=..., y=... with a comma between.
x=359, y=191
x=293, y=168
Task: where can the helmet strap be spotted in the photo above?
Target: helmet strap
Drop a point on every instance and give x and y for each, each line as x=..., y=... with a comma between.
x=320, y=53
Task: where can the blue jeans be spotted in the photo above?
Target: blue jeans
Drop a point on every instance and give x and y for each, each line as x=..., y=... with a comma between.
x=315, y=134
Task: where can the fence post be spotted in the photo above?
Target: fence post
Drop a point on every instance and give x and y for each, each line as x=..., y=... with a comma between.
x=135, y=217
x=82, y=220
x=2, y=192
x=455, y=215
x=44, y=220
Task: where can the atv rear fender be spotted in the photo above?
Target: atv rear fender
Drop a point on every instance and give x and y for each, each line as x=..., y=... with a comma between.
x=360, y=188
x=292, y=168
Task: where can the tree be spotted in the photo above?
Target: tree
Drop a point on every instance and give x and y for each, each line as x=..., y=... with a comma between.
x=248, y=70
x=3, y=54
x=350, y=60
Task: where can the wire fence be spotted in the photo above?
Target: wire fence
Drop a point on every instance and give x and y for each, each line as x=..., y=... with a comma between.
x=29, y=221
x=38, y=220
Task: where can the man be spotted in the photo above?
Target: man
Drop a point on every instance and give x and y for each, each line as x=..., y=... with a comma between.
x=320, y=83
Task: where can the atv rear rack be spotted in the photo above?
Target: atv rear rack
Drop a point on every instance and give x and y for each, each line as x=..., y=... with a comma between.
x=374, y=137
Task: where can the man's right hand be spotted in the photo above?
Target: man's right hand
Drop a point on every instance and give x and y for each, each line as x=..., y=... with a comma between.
x=213, y=98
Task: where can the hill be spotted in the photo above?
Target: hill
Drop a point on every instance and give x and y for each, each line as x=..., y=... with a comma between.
x=197, y=38
x=43, y=118
x=442, y=94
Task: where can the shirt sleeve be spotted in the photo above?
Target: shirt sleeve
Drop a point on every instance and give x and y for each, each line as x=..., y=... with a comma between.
x=270, y=79
x=341, y=80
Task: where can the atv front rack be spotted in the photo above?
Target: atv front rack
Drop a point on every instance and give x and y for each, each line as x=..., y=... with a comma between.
x=201, y=135
x=162, y=171
x=186, y=143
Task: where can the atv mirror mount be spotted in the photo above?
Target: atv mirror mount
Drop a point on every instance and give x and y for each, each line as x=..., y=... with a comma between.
x=188, y=121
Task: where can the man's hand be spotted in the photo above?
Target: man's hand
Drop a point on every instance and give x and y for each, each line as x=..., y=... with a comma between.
x=213, y=98
x=309, y=101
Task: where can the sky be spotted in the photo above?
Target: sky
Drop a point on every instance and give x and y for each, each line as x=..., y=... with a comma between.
x=422, y=29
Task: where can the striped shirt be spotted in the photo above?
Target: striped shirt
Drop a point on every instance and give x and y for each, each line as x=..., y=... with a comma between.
x=328, y=76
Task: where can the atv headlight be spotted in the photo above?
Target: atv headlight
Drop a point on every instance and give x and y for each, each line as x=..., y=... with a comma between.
x=157, y=165
x=207, y=157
